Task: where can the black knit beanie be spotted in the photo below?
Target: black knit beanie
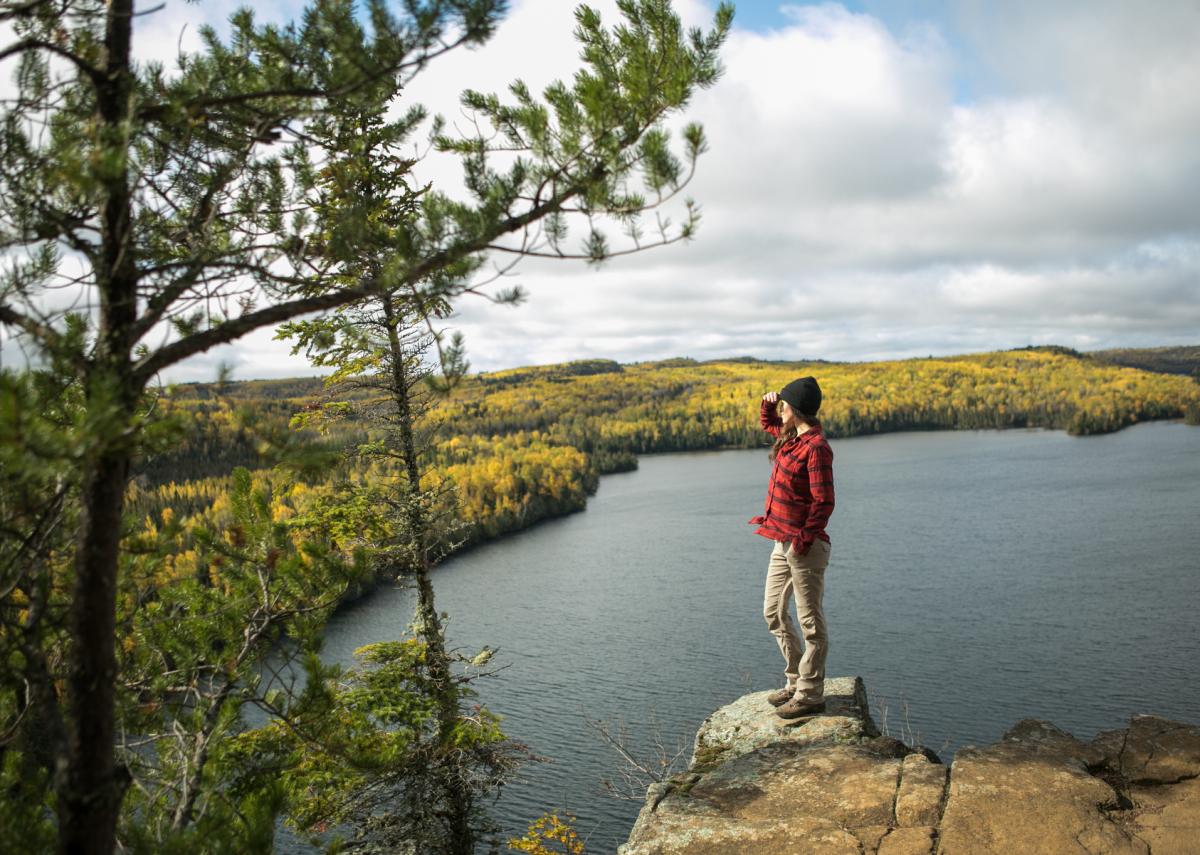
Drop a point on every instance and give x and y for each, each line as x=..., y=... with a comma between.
x=803, y=396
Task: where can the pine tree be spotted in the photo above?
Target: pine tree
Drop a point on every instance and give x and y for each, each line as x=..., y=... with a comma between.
x=431, y=798
x=175, y=205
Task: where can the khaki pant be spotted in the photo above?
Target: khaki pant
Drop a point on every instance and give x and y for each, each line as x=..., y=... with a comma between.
x=804, y=575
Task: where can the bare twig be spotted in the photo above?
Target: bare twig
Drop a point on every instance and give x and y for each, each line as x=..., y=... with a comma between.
x=636, y=768
x=945, y=744
x=749, y=681
x=879, y=703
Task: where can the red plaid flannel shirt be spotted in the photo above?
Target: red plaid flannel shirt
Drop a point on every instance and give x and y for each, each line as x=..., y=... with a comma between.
x=800, y=495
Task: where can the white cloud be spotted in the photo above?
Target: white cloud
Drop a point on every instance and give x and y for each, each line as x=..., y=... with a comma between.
x=848, y=198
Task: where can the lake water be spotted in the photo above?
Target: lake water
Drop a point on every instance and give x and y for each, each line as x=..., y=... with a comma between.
x=986, y=576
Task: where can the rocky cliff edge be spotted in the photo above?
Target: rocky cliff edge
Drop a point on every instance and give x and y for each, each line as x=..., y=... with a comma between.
x=830, y=784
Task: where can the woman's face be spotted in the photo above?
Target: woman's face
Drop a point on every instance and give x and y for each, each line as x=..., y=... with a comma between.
x=788, y=414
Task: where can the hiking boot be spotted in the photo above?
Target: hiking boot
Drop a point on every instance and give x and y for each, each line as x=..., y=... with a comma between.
x=780, y=696
x=799, y=706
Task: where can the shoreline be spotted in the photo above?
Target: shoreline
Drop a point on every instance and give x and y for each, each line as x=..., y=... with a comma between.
x=358, y=597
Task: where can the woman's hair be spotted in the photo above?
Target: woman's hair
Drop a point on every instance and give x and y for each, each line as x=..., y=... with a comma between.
x=790, y=431
x=786, y=433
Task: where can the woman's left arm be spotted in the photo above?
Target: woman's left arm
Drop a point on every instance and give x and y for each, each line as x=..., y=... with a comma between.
x=820, y=485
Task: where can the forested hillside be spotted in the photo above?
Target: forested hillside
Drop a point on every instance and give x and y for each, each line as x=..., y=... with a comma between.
x=528, y=443
x=1163, y=360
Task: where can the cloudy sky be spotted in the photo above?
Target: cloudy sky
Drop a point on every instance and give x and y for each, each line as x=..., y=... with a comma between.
x=886, y=179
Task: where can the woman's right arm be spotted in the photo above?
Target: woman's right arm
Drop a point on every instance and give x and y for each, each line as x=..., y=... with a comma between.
x=769, y=415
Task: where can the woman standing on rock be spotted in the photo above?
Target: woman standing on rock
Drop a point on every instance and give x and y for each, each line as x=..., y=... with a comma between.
x=799, y=502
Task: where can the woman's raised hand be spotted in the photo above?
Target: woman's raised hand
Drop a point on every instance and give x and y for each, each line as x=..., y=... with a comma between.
x=771, y=398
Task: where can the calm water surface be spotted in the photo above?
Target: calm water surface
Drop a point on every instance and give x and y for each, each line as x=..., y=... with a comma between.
x=984, y=576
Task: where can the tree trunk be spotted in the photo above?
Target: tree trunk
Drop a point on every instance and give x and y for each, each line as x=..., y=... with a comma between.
x=90, y=801
x=461, y=837
x=92, y=787
x=418, y=523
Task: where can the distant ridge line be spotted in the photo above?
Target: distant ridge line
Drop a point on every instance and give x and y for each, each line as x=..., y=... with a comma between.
x=1175, y=359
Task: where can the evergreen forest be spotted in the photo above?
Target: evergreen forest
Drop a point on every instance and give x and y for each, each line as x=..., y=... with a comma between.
x=1164, y=360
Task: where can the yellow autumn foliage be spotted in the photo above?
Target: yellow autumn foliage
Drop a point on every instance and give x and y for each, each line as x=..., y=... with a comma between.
x=521, y=445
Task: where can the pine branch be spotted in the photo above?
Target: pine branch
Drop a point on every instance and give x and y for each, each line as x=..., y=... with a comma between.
x=154, y=112
x=235, y=328
x=47, y=336
x=8, y=11
x=32, y=43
